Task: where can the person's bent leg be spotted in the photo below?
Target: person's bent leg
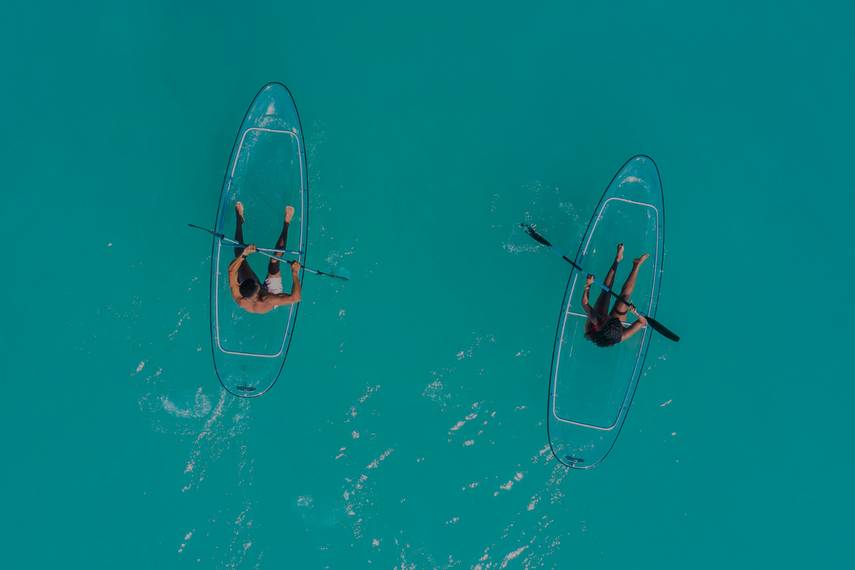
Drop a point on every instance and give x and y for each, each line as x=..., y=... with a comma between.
x=244, y=271
x=622, y=305
x=602, y=304
x=610, y=276
x=273, y=265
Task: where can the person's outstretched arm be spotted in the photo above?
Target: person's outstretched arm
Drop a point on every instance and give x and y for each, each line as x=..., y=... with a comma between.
x=585, y=301
x=634, y=327
x=296, y=289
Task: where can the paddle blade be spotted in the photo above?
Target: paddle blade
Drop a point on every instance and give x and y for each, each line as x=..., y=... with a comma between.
x=342, y=274
x=529, y=229
x=213, y=233
x=662, y=329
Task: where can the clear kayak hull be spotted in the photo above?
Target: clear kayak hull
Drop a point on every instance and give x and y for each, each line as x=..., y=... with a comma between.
x=591, y=388
x=267, y=170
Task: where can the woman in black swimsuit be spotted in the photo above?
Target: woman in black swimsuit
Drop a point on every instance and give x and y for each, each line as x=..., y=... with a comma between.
x=605, y=328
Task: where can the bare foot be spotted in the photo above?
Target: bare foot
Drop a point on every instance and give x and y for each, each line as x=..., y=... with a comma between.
x=619, y=254
x=239, y=210
x=289, y=214
x=640, y=260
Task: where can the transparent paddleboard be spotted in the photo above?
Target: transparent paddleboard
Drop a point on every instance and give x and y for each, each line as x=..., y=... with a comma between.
x=591, y=388
x=266, y=171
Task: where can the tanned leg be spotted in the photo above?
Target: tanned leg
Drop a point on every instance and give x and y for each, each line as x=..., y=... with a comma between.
x=621, y=306
x=602, y=304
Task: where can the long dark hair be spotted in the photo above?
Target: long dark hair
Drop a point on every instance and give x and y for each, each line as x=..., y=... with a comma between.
x=596, y=335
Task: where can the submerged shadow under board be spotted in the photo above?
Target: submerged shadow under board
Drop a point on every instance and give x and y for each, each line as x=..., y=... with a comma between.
x=591, y=388
x=267, y=170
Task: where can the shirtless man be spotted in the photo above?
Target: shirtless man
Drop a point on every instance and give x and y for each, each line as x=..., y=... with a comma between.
x=604, y=327
x=248, y=292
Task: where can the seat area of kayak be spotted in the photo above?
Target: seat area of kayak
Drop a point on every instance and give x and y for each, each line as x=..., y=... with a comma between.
x=594, y=380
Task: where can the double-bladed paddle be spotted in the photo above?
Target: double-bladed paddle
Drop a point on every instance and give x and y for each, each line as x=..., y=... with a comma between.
x=656, y=325
x=269, y=252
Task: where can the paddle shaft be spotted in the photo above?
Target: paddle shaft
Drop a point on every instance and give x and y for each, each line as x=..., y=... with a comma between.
x=268, y=252
x=234, y=243
x=309, y=269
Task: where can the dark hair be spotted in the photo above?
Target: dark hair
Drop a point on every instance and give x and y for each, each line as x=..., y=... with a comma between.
x=602, y=340
x=248, y=288
x=597, y=337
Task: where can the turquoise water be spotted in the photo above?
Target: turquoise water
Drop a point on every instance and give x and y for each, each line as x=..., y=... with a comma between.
x=408, y=429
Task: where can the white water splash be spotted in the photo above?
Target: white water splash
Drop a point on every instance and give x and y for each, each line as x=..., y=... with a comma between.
x=374, y=464
x=512, y=555
x=183, y=315
x=183, y=545
x=368, y=391
x=201, y=406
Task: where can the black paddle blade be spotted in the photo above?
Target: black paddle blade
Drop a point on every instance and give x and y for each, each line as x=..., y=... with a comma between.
x=213, y=233
x=529, y=229
x=662, y=329
x=334, y=276
x=343, y=274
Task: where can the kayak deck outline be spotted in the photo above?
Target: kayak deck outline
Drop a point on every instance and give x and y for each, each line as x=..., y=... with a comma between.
x=292, y=133
x=569, y=313
x=255, y=363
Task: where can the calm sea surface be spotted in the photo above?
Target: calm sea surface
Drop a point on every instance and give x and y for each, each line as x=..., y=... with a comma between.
x=408, y=428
